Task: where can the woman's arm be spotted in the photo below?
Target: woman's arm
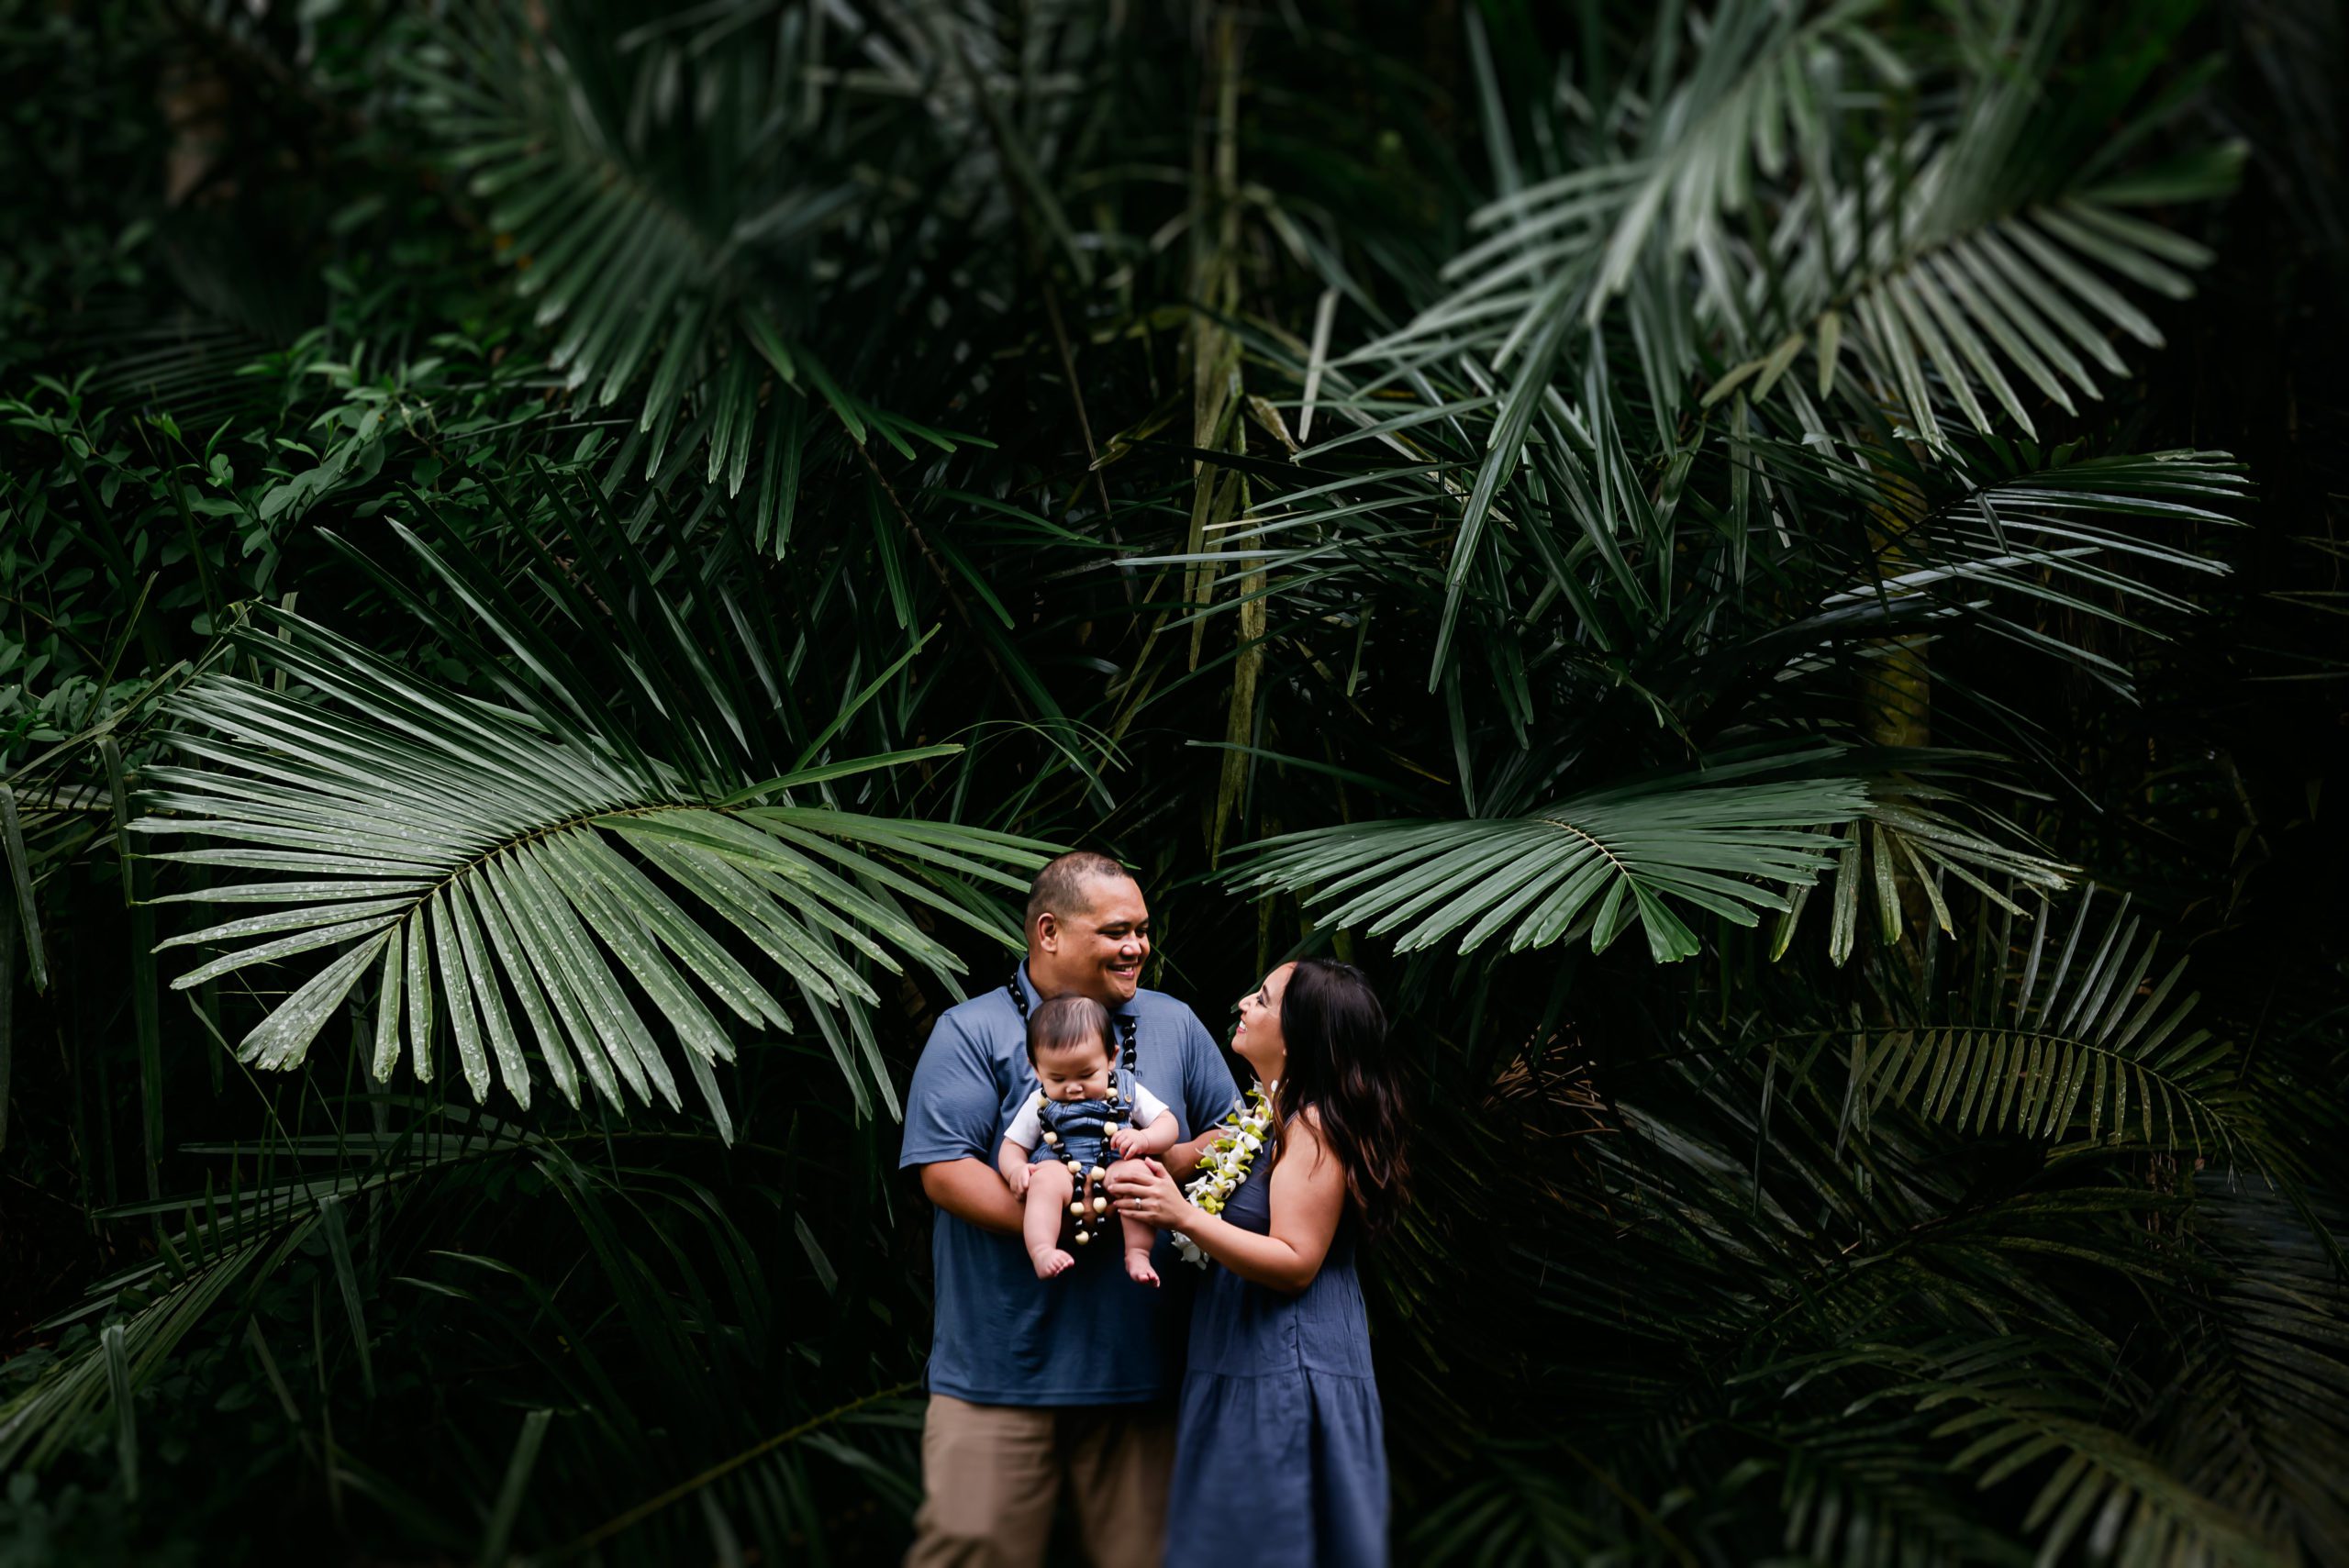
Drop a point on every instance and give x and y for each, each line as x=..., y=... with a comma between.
x=1309, y=1195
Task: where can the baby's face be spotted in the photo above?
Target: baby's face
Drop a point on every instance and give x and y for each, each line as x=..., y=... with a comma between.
x=1075, y=1072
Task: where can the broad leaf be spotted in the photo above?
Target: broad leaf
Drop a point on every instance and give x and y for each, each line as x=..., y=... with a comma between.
x=477, y=864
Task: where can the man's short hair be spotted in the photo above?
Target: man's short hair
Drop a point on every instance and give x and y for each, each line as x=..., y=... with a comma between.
x=1060, y=887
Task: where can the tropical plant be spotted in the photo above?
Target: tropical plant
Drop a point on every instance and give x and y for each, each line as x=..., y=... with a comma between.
x=615, y=573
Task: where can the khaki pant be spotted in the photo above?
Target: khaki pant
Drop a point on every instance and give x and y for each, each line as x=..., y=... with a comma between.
x=992, y=1472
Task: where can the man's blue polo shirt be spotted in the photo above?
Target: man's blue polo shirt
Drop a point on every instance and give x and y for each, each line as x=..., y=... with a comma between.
x=1003, y=1336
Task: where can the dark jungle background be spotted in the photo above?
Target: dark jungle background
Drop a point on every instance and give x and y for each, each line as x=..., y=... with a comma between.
x=1774, y=571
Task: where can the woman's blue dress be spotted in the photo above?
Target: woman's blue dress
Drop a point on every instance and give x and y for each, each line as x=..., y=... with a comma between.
x=1280, y=1456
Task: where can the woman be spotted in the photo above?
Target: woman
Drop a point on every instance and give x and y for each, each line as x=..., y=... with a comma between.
x=1280, y=1457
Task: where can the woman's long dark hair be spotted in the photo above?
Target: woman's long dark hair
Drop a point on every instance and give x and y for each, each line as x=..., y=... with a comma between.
x=1340, y=1068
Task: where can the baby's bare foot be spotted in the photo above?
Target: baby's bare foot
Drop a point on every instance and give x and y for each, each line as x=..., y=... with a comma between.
x=1138, y=1267
x=1051, y=1261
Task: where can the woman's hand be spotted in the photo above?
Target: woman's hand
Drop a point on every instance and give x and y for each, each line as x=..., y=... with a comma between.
x=1144, y=1190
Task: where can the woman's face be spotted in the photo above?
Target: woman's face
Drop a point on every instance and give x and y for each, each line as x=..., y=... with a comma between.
x=1258, y=1040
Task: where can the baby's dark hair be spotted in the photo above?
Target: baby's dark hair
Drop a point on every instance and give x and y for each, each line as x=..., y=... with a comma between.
x=1066, y=1022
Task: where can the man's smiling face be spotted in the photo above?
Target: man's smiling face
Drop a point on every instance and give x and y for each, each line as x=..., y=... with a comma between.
x=1098, y=951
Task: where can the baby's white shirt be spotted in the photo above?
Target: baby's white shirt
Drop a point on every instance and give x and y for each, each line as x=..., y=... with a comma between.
x=1027, y=1129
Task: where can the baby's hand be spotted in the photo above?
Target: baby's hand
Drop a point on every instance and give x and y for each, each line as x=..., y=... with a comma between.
x=1017, y=1180
x=1124, y=1141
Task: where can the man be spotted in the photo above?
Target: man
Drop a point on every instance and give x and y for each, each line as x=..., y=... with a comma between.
x=1037, y=1383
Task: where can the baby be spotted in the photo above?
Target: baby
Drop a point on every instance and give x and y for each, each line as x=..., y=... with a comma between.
x=1063, y=1136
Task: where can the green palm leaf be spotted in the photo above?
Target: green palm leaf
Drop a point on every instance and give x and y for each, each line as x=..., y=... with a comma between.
x=1760, y=87
x=44, y=1419
x=1976, y=255
x=479, y=864
x=1595, y=862
x=670, y=207
x=2104, y=1485
x=1965, y=310
x=2092, y=1045
x=2266, y=1409
x=1902, y=836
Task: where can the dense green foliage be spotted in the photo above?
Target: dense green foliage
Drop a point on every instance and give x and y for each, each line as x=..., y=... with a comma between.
x=1767, y=569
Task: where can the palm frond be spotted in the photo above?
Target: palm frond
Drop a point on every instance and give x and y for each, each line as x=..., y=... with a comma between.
x=1905, y=839
x=463, y=852
x=2104, y=1490
x=2265, y=1405
x=1762, y=86
x=1956, y=264
x=1934, y=248
x=2090, y=1045
x=1879, y=1479
x=2024, y=296
x=39, y=1422
x=1595, y=862
x=214, y=1244
x=1521, y=1507
x=672, y=207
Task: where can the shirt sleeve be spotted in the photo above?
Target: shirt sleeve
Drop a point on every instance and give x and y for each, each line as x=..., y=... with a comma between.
x=1026, y=1127
x=1208, y=1087
x=953, y=1106
x=1148, y=1108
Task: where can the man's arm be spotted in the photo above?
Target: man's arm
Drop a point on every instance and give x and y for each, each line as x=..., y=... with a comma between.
x=973, y=1193
x=1183, y=1160
x=953, y=1111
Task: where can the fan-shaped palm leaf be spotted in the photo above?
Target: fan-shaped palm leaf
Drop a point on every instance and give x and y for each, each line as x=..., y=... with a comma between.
x=1595, y=862
x=1763, y=82
x=464, y=853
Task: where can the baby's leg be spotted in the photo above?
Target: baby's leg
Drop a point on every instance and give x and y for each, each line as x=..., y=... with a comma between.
x=1049, y=1187
x=1138, y=1236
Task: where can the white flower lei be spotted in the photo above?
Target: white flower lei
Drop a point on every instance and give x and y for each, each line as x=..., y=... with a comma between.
x=1224, y=1164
